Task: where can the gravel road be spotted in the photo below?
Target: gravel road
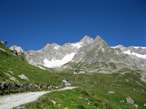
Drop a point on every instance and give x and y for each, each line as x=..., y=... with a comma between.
x=14, y=100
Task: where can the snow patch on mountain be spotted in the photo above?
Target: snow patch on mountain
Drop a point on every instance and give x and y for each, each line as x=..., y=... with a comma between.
x=121, y=46
x=139, y=47
x=135, y=54
x=137, y=51
x=117, y=46
x=56, y=47
x=77, y=45
x=58, y=63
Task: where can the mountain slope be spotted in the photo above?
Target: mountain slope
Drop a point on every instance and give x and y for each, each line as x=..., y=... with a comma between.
x=99, y=57
x=89, y=52
x=12, y=68
x=139, y=52
x=54, y=55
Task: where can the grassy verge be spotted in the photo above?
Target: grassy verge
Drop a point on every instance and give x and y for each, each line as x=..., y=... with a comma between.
x=93, y=92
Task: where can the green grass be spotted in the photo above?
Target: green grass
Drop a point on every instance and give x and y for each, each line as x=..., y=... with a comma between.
x=92, y=92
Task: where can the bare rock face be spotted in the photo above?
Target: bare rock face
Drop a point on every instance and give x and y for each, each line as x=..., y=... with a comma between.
x=132, y=49
x=136, y=54
x=92, y=51
x=54, y=55
x=17, y=50
x=96, y=54
x=86, y=40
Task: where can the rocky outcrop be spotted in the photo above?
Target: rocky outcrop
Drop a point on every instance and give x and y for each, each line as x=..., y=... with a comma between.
x=22, y=76
x=17, y=50
x=129, y=100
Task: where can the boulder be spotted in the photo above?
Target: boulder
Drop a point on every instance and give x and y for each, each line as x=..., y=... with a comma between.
x=129, y=100
x=111, y=92
x=23, y=77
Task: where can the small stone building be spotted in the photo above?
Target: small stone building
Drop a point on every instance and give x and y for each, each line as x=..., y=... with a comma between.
x=79, y=71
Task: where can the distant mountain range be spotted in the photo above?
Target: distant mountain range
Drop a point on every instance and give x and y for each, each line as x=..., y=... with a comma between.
x=54, y=55
x=89, y=54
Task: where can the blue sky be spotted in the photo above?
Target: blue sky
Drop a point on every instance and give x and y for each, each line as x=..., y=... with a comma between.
x=32, y=24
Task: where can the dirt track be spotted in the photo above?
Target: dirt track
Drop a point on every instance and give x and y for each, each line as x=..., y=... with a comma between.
x=11, y=101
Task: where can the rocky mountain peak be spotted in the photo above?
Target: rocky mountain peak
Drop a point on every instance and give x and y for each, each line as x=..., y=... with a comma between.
x=86, y=39
x=47, y=45
x=98, y=39
x=54, y=45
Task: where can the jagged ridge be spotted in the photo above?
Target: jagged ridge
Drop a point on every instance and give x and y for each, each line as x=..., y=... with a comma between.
x=87, y=51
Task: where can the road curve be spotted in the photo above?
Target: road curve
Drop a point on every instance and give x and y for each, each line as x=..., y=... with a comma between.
x=14, y=100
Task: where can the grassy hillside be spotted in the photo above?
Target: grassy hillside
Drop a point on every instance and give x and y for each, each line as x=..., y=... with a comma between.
x=11, y=66
x=97, y=91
